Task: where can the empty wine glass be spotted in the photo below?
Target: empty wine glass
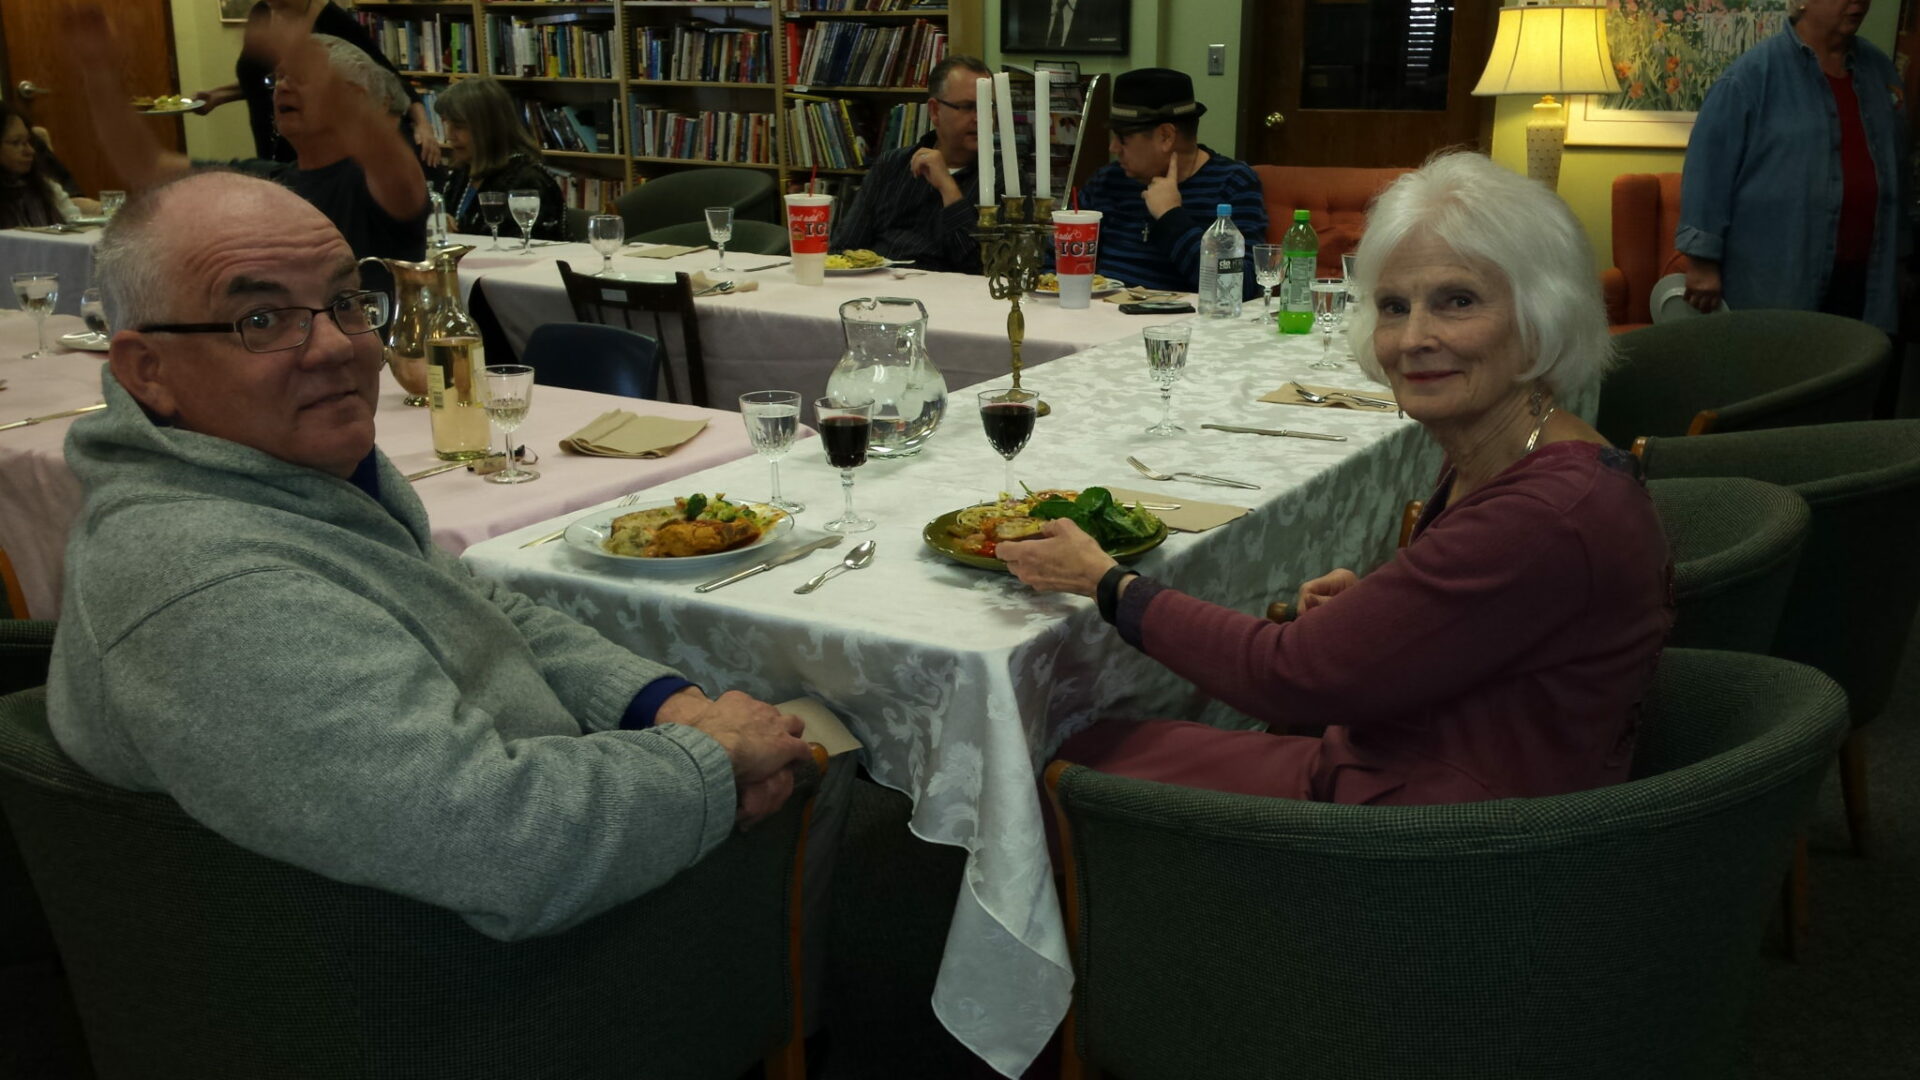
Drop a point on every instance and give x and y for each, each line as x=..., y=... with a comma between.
x=524, y=205
x=606, y=232
x=93, y=312
x=509, y=395
x=1346, y=275
x=1166, y=359
x=773, y=422
x=1007, y=416
x=720, y=230
x=844, y=430
x=111, y=202
x=37, y=290
x=493, y=211
x=1269, y=263
x=1329, y=302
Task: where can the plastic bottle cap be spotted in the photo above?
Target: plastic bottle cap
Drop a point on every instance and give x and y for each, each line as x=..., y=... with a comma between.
x=1224, y=209
x=1302, y=215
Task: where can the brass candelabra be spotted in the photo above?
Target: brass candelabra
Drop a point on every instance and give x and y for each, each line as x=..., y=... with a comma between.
x=1013, y=249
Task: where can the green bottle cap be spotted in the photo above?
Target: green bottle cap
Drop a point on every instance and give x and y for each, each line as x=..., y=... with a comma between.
x=1301, y=215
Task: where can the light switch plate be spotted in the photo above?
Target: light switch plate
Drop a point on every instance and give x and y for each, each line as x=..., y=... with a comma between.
x=1216, y=59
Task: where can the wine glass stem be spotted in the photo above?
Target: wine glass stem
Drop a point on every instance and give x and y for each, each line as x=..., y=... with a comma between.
x=496, y=237
x=1266, y=305
x=526, y=240
x=40, y=329
x=774, y=463
x=606, y=265
x=1009, y=488
x=846, y=487
x=1166, y=406
x=721, y=247
x=506, y=440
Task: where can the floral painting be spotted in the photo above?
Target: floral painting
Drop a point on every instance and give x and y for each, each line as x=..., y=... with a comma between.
x=1667, y=54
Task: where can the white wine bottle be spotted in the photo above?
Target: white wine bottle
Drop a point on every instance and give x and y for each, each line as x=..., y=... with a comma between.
x=456, y=385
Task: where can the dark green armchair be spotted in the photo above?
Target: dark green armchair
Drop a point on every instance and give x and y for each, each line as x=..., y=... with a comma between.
x=1739, y=371
x=679, y=197
x=1735, y=546
x=1603, y=934
x=749, y=238
x=192, y=958
x=26, y=648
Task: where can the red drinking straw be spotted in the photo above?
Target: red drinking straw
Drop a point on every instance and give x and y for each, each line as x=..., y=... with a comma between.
x=1073, y=200
x=813, y=180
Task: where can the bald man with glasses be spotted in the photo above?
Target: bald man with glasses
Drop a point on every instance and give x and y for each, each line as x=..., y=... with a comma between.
x=916, y=202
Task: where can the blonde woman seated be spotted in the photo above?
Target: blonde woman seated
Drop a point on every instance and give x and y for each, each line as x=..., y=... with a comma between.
x=490, y=150
x=1506, y=649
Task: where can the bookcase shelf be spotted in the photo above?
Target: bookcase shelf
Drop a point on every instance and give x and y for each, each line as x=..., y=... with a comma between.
x=468, y=28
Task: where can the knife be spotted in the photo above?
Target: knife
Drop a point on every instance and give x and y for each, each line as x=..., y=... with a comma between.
x=435, y=470
x=96, y=407
x=1277, y=431
x=778, y=560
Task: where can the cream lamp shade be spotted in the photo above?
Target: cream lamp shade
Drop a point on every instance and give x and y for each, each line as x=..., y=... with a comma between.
x=1549, y=49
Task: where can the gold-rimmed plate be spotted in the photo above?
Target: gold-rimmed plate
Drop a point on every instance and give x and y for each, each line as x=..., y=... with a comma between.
x=937, y=536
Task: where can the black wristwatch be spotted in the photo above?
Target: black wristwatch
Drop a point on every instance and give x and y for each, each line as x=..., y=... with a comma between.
x=1107, y=595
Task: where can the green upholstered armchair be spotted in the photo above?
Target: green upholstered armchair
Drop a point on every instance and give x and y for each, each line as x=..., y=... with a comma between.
x=1741, y=370
x=26, y=648
x=1852, y=604
x=192, y=958
x=1603, y=934
x=1735, y=545
x=679, y=197
x=749, y=237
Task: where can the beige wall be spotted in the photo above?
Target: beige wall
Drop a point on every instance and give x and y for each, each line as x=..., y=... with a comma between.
x=204, y=51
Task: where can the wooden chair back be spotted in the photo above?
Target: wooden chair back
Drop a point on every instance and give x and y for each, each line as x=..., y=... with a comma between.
x=644, y=307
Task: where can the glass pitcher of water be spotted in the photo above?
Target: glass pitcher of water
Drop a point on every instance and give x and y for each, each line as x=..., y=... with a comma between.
x=886, y=360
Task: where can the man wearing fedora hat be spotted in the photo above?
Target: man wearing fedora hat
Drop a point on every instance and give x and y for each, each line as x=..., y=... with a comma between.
x=1161, y=192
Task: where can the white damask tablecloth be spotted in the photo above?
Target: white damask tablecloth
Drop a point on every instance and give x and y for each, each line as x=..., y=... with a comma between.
x=962, y=682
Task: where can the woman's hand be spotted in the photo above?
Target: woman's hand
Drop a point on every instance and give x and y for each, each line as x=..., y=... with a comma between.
x=1061, y=559
x=1322, y=589
x=1703, y=283
x=427, y=146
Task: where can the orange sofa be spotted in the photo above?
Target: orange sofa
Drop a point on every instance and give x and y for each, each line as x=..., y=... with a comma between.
x=1646, y=212
x=1336, y=198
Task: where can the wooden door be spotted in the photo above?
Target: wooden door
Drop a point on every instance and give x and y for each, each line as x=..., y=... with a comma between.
x=36, y=53
x=1364, y=83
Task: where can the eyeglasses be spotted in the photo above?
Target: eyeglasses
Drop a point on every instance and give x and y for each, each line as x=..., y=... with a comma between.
x=963, y=106
x=279, y=329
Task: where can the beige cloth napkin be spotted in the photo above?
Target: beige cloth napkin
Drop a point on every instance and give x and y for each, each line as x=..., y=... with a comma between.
x=701, y=283
x=629, y=435
x=1193, y=515
x=822, y=726
x=660, y=251
x=1287, y=395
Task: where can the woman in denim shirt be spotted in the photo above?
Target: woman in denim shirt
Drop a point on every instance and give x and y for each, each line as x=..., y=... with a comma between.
x=1794, y=190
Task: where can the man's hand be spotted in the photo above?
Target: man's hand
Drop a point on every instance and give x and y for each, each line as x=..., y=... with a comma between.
x=218, y=96
x=1063, y=559
x=762, y=742
x=930, y=165
x=429, y=147
x=1703, y=283
x=1322, y=589
x=1163, y=194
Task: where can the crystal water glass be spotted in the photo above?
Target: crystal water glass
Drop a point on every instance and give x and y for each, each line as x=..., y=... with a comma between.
x=720, y=231
x=773, y=422
x=37, y=290
x=509, y=395
x=93, y=312
x=1166, y=359
x=1329, y=302
x=111, y=202
x=524, y=205
x=493, y=211
x=846, y=427
x=1269, y=264
x=606, y=232
x=1346, y=275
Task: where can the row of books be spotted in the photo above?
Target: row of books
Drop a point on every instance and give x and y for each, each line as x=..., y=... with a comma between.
x=594, y=193
x=548, y=49
x=862, y=5
x=905, y=124
x=821, y=132
x=864, y=54
x=702, y=136
x=588, y=129
x=438, y=44
x=702, y=52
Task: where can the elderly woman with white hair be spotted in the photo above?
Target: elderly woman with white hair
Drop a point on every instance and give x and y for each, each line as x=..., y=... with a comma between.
x=1506, y=649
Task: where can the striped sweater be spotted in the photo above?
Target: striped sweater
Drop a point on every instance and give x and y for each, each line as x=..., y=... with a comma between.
x=1165, y=253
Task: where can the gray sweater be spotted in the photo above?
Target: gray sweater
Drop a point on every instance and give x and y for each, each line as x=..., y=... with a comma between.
x=309, y=676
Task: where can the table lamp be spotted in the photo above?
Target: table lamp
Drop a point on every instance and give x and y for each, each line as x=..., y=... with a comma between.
x=1549, y=49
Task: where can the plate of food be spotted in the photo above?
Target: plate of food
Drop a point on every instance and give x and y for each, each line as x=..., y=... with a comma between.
x=859, y=261
x=688, y=533
x=86, y=341
x=972, y=534
x=166, y=104
x=1048, y=284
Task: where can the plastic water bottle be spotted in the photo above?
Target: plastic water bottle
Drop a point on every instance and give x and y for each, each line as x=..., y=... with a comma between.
x=1301, y=249
x=1223, y=261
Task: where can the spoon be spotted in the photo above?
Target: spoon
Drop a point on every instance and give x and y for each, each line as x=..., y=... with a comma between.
x=856, y=559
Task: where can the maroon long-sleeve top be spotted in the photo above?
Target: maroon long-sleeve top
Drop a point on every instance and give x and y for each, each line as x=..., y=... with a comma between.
x=1505, y=651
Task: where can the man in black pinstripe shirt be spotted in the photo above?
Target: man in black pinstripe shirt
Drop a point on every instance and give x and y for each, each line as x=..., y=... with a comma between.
x=917, y=202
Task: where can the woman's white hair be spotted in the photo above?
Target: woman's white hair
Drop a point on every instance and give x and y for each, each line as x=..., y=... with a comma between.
x=1513, y=226
x=352, y=63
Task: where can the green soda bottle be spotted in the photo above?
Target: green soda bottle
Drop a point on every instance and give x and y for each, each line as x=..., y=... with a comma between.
x=1301, y=249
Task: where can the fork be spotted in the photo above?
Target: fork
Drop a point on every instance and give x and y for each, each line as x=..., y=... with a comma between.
x=560, y=532
x=1223, y=481
x=1312, y=398
x=721, y=288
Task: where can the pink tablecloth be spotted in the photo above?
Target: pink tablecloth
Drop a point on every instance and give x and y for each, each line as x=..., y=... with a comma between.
x=39, y=495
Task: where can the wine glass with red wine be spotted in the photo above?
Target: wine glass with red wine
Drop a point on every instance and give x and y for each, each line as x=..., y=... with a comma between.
x=844, y=431
x=1007, y=415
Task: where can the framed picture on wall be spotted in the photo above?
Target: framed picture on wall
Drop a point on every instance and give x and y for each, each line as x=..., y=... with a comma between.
x=1071, y=26
x=235, y=11
x=1667, y=53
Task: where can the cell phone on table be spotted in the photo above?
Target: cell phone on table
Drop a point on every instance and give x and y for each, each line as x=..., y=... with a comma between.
x=1156, y=307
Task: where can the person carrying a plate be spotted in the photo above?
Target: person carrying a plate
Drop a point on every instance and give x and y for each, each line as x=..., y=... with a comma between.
x=1505, y=651
x=916, y=203
x=259, y=624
